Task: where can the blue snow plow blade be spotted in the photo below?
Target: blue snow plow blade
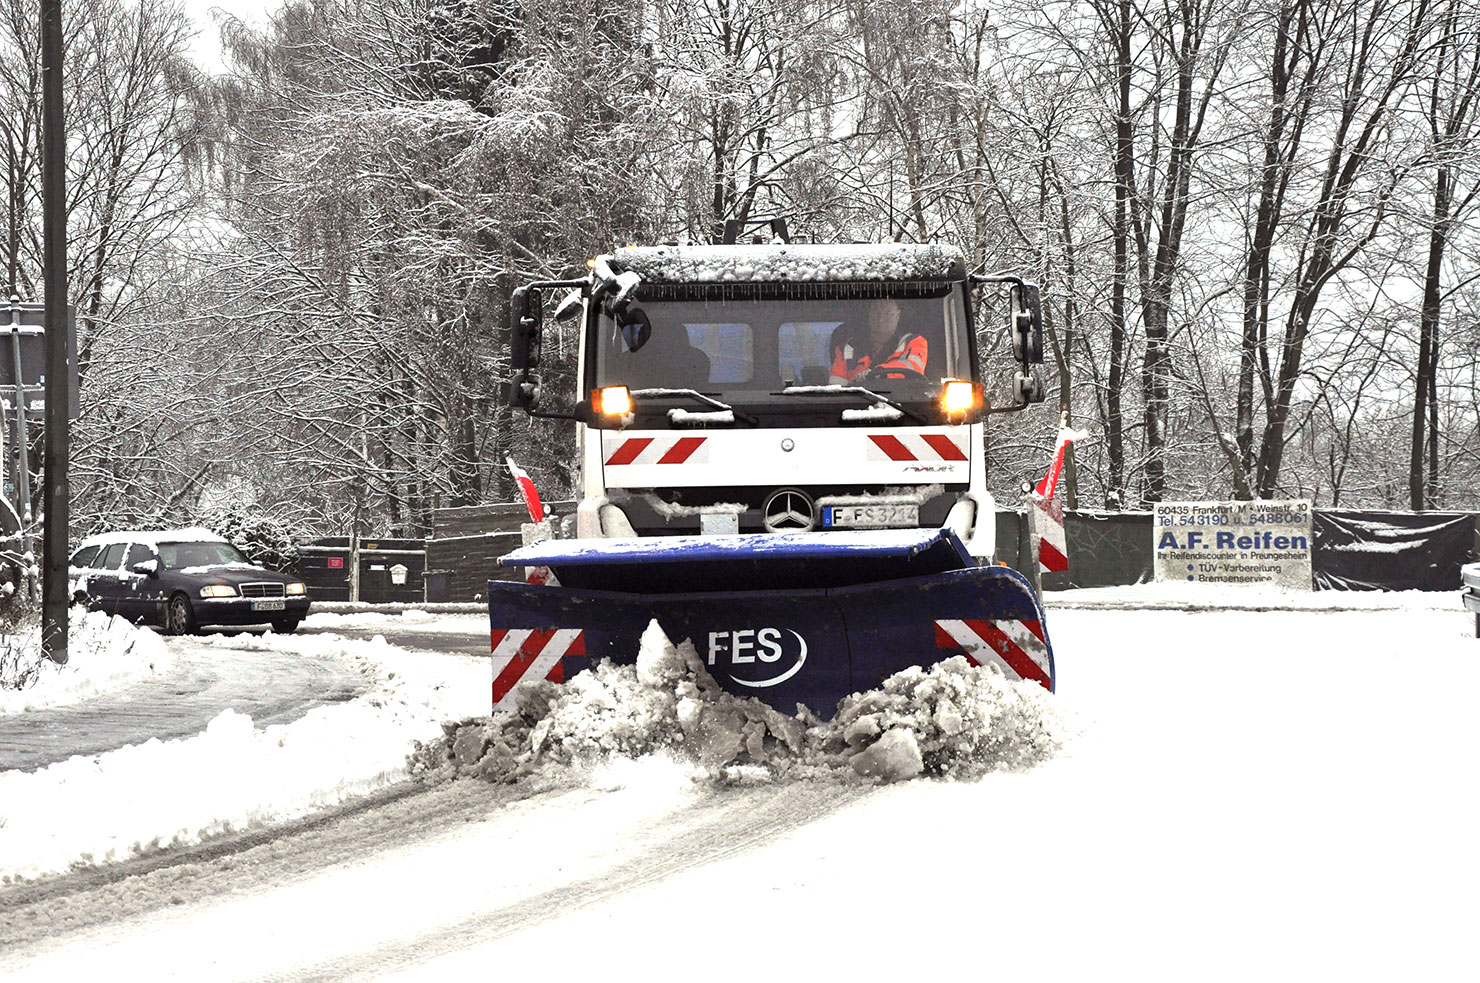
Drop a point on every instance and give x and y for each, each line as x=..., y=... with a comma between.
x=792, y=618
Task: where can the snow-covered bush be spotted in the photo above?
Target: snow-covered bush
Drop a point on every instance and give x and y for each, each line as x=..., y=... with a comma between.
x=103, y=650
x=20, y=661
x=266, y=539
x=20, y=602
x=20, y=616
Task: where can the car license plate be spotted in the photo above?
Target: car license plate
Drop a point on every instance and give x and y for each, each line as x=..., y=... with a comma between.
x=267, y=605
x=870, y=516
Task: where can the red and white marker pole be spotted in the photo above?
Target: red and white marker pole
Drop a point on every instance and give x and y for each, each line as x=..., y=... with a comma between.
x=527, y=488
x=1046, y=511
x=536, y=529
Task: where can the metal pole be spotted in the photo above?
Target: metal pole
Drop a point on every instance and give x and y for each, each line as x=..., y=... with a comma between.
x=354, y=562
x=22, y=437
x=1033, y=573
x=55, y=487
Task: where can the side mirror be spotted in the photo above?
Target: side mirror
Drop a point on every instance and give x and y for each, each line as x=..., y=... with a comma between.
x=636, y=327
x=526, y=329
x=1027, y=324
x=1029, y=386
x=570, y=306
x=149, y=568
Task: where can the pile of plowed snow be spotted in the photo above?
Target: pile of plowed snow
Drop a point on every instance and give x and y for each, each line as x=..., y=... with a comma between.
x=953, y=719
x=105, y=652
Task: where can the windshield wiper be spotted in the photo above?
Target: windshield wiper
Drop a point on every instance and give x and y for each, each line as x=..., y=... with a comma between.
x=694, y=394
x=851, y=391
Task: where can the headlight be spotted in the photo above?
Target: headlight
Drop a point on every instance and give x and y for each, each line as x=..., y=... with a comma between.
x=296, y=589
x=217, y=590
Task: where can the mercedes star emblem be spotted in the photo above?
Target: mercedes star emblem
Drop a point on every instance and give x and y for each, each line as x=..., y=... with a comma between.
x=787, y=444
x=788, y=510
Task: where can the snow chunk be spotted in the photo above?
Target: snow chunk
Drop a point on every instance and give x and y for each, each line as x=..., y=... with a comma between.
x=790, y=262
x=967, y=720
x=954, y=719
x=678, y=416
x=893, y=757
x=877, y=413
x=671, y=511
x=658, y=662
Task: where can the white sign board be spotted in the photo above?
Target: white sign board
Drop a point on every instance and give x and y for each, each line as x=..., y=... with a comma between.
x=1233, y=542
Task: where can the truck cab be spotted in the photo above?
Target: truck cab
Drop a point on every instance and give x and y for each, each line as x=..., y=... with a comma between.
x=750, y=389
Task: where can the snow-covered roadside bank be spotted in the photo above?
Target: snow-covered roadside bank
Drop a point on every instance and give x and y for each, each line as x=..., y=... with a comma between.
x=417, y=618
x=104, y=653
x=1184, y=596
x=236, y=776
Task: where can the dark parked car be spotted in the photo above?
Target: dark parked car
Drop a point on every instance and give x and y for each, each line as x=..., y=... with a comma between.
x=183, y=579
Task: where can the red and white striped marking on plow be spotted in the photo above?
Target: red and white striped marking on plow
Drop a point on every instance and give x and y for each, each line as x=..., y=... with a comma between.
x=530, y=653
x=656, y=450
x=914, y=447
x=1018, y=647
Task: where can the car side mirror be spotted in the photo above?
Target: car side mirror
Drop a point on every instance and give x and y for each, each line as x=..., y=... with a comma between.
x=149, y=568
x=526, y=327
x=1027, y=324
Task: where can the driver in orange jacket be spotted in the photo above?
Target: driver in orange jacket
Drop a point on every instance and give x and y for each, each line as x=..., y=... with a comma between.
x=883, y=353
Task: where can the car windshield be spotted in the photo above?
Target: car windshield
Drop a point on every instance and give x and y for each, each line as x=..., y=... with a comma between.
x=178, y=556
x=732, y=341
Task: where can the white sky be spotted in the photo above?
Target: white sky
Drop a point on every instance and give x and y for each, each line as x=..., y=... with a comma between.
x=206, y=48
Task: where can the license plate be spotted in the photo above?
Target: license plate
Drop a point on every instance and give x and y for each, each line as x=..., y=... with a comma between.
x=870, y=516
x=267, y=605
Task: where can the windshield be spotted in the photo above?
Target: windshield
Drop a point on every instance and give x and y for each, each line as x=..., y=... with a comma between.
x=176, y=556
x=734, y=341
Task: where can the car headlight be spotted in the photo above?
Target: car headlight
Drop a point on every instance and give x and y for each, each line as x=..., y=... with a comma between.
x=296, y=589
x=217, y=590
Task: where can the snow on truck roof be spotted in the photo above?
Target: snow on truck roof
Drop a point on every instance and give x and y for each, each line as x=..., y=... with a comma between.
x=154, y=537
x=791, y=262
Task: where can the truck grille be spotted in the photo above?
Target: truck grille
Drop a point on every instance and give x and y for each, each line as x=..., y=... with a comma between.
x=263, y=590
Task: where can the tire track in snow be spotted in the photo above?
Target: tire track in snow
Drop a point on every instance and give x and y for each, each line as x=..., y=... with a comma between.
x=715, y=829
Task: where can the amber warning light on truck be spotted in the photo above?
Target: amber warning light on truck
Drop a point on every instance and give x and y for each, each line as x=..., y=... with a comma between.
x=612, y=401
x=961, y=397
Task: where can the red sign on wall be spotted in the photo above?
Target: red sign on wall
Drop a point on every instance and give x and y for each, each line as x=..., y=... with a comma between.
x=336, y=563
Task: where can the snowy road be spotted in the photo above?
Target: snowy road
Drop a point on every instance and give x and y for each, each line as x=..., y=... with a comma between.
x=1255, y=794
x=456, y=634
x=207, y=677
x=417, y=880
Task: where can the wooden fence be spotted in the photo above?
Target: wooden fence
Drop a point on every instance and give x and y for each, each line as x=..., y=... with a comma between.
x=466, y=543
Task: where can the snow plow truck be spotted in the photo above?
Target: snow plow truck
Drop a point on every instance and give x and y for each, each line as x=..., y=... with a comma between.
x=781, y=459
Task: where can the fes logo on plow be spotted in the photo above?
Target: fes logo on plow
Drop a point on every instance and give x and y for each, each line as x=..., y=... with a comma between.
x=764, y=646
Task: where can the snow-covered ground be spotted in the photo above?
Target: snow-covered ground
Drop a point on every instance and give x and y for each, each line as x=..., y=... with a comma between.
x=1252, y=793
x=233, y=776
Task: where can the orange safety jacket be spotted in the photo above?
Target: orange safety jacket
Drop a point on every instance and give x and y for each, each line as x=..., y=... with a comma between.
x=911, y=353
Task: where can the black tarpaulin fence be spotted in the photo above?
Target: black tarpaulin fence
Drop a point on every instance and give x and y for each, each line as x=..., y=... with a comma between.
x=1357, y=550
x=1354, y=549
